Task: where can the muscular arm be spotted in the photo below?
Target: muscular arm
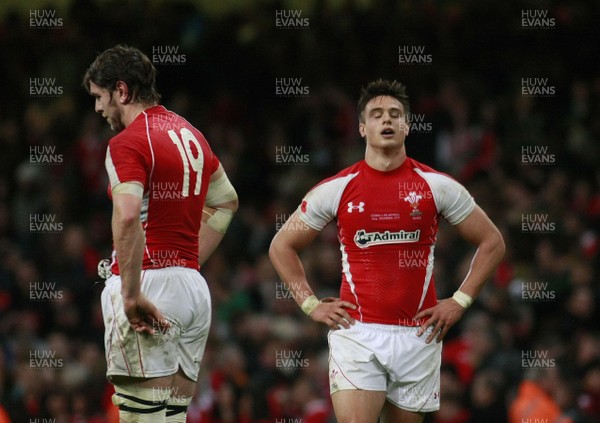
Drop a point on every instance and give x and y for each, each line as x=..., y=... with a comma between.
x=479, y=230
x=128, y=237
x=209, y=238
x=293, y=237
x=129, y=240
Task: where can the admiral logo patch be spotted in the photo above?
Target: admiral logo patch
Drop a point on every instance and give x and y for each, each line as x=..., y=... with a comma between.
x=365, y=239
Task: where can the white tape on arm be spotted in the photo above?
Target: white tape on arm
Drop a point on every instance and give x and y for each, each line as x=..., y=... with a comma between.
x=132, y=188
x=220, y=191
x=219, y=220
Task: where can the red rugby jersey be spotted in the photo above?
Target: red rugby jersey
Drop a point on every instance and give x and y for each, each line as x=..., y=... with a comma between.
x=387, y=224
x=173, y=161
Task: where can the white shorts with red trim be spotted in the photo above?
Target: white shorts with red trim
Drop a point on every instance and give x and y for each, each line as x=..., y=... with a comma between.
x=387, y=358
x=182, y=296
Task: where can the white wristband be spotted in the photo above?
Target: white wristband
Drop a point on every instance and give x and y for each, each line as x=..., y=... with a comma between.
x=464, y=300
x=309, y=304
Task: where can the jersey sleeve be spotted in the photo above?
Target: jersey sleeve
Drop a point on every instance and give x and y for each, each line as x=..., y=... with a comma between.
x=452, y=200
x=211, y=159
x=214, y=161
x=320, y=205
x=125, y=163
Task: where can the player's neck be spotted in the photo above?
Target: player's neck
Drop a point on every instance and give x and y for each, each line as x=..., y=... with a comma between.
x=133, y=111
x=385, y=160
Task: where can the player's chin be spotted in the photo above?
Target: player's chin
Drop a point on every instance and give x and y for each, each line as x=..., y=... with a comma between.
x=116, y=127
x=391, y=142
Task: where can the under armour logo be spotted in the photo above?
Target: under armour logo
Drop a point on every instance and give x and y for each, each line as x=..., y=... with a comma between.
x=360, y=207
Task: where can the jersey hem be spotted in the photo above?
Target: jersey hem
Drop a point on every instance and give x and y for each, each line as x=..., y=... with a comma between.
x=117, y=272
x=394, y=324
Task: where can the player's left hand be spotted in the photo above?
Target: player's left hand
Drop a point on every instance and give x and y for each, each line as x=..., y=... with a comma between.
x=144, y=316
x=441, y=317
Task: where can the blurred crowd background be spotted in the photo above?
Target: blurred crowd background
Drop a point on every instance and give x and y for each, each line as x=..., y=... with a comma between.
x=533, y=335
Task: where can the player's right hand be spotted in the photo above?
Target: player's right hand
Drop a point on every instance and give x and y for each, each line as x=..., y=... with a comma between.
x=332, y=312
x=144, y=316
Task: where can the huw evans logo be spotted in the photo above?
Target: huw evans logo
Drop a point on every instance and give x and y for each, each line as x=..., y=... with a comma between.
x=413, y=55
x=290, y=19
x=168, y=55
x=364, y=239
x=172, y=392
x=417, y=395
x=282, y=218
x=290, y=359
x=167, y=122
x=412, y=259
x=44, y=19
x=418, y=124
x=40, y=359
x=536, y=19
x=537, y=223
x=44, y=291
x=289, y=291
x=536, y=359
x=44, y=154
x=44, y=87
x=167, y=258
x=290, y=155
x=537, y=155
x=44, y=223
x=291, y=87
x=414, y=189
x=167, y=329
x=166, y=191
x=537, y=291
x=537, y=87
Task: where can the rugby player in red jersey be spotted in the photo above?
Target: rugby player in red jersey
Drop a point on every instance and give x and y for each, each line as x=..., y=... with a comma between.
x=387, y=209
x=164, y=178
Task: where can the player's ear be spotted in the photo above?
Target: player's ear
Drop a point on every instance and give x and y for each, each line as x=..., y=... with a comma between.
x=361, y=129
x=123, y=91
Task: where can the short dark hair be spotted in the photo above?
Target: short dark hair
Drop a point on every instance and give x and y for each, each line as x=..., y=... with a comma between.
x=127, y=64
x=383, y=87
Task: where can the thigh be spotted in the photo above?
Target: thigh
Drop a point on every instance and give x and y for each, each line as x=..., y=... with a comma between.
x=158, y=383
x=183, y=385
x=393, y=414
x=357, y=405
x=353, y=361
x=414, y=373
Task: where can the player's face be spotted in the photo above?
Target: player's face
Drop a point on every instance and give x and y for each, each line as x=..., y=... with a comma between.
x=384, y=124
x=106, y=104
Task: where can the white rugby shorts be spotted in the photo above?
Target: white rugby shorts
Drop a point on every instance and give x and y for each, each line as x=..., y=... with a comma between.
x=182, y=296
x=387, y=358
